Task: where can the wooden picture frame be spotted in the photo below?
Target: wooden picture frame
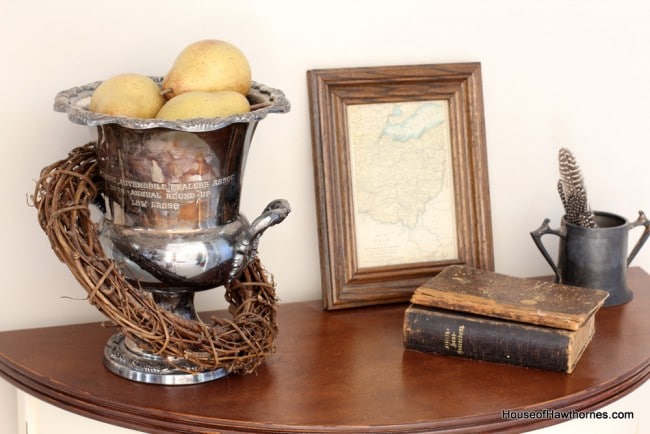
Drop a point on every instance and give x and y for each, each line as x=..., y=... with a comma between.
x=398, y=147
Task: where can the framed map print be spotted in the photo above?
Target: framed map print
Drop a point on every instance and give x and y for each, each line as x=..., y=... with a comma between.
x=401, y=178
x=395, y=149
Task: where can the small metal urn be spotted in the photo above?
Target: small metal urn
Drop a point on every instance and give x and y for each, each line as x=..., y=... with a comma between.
x=171, y=216
x=595, y=257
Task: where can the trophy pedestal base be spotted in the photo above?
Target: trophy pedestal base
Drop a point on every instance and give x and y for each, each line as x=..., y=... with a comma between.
x=124, y=358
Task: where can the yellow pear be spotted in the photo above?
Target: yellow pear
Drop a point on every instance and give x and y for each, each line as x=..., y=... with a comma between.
x=130, y=95
x=191, y=105
x=209, y=65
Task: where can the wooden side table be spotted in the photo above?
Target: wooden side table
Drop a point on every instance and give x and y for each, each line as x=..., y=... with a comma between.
x=335, y=371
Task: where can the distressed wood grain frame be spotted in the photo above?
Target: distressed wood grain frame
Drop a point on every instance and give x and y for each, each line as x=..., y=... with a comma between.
x=331, y=92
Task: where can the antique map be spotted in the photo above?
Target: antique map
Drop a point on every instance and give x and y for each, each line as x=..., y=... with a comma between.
x=402, y=184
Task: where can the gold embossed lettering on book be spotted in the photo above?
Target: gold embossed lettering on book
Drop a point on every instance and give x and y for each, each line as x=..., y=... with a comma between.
x=482, y=315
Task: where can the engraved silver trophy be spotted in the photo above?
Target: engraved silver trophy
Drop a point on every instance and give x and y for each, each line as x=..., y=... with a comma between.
x=171, y=215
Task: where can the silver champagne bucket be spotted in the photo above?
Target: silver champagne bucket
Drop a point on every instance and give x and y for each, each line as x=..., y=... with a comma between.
x=170, y=212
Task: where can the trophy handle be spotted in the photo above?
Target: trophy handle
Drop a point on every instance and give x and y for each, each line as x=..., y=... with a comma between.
x=274, y=213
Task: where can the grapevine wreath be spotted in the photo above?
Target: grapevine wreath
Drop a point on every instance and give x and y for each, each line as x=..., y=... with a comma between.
x=63, y=196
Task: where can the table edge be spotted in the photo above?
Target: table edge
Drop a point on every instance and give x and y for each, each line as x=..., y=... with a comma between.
x=152, y=421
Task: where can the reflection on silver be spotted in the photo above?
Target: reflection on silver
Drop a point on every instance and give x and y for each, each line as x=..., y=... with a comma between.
x=171, y=221
x=183, y=260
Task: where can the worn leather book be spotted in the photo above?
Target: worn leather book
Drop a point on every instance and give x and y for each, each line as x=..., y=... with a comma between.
x=466, y=289
x=479, y=314
x=459, y=334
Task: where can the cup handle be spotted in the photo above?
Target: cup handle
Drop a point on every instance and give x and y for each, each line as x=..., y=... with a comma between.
x=642, y=220
x=537, y=238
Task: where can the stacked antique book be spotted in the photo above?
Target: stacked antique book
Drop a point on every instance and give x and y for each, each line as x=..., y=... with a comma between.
x=478, y=314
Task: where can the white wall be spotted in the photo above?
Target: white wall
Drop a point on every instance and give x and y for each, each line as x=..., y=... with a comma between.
x=555, y=73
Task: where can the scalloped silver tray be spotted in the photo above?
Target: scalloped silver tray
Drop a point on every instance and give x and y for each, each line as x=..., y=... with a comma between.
x=75, y=102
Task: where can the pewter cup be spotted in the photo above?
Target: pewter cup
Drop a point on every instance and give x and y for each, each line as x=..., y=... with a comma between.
x=595, y=257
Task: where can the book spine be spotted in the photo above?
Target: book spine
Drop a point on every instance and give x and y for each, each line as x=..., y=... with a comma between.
x=481, y=338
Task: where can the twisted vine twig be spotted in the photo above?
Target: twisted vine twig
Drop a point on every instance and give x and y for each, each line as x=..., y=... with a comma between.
x=62, y=197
